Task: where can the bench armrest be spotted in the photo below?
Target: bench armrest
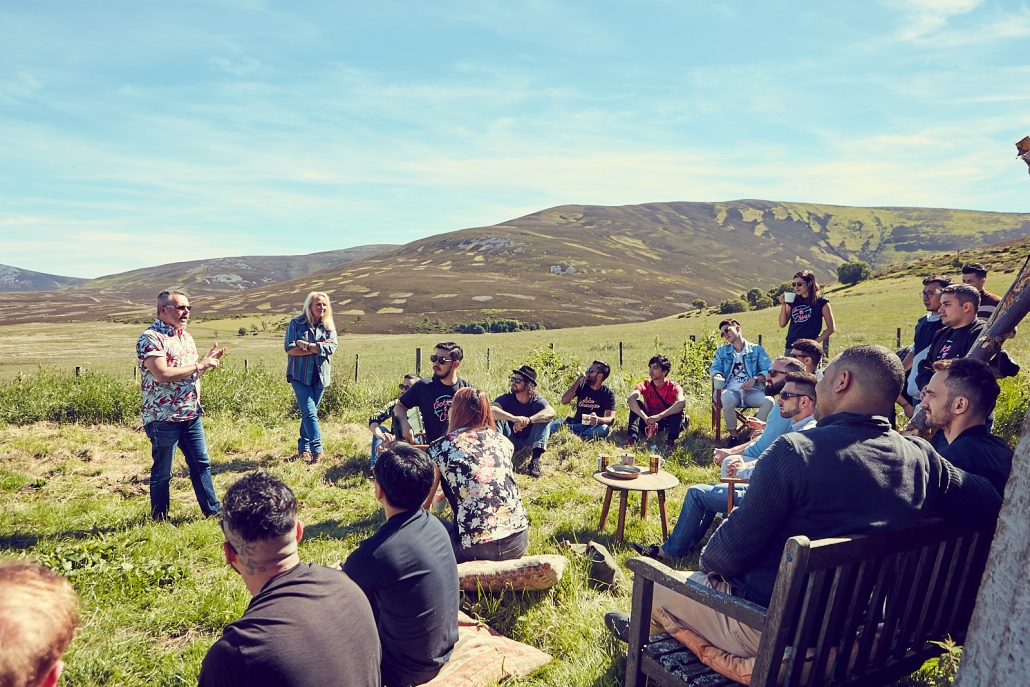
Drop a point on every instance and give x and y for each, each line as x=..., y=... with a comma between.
x=746, y=612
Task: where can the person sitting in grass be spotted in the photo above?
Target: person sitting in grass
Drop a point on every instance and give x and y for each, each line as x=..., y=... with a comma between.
x=306, y=625
x=595, y=404
x=473, y=464
x=38, y=615
x=524, y=416
x=740, y=367
x=377, y=422
x=408, y=572
x=657, y=404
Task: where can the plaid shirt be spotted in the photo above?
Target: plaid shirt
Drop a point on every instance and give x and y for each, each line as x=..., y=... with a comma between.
x=173, y=401
x=302, y=368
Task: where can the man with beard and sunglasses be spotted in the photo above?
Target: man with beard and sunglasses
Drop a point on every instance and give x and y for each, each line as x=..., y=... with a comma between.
x=170, y=370
x=524, y=416
x=595, y=404
x=795, y=402
x=432, y=395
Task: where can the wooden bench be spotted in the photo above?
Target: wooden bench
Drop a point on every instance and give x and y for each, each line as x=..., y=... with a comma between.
x=831, y=599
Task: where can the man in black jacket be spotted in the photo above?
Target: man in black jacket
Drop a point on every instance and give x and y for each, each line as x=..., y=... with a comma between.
x=957, y=401
x=851, y=474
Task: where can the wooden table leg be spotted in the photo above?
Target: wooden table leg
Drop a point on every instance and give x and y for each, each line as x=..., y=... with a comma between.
x=623, y=497
x=643, y=505
x=665, y=516
x=729, y=498
x=604, y=509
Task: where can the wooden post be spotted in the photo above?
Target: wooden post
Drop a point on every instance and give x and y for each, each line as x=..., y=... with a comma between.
x=759, y=339
x=620, y=355
x=355, y=367
x=552, y=345
x=418, y=361
x=78, y=371
x=693, y=339
x=488, y=359
x=899, y=338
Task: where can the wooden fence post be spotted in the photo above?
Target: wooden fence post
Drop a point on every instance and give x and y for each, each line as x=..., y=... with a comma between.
x=759, y=339
x=246, y=365
x=135, y=371
x=552, y=345
x=418, y=361
x=78, y=371
x=693, y=339
x=899, y=338
x=620, y=355
x=488, y=359
x=355, y=367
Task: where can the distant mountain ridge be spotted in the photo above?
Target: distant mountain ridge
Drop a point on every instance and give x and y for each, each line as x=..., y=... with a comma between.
x=17, y=279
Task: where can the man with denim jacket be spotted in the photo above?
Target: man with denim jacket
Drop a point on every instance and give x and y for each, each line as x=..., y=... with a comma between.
x=743, y=368
x=171, y=372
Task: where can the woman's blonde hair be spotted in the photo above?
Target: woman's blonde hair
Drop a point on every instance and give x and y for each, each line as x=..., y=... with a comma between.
x=327, y=319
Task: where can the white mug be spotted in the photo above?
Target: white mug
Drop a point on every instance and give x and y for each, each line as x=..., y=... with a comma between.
x=788, y=296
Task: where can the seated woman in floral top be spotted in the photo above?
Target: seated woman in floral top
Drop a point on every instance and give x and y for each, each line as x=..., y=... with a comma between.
x=474, y=461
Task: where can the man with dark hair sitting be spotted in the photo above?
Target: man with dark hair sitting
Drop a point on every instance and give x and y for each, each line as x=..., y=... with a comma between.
x=851, y=474
x=959, y=303
x=524, y=416
x=595, y=404
x=286, y=637
x=975, y=274
x=38, y=615
x=957, y=400
x=657, y=404
x=809, y=353
x=408, y=571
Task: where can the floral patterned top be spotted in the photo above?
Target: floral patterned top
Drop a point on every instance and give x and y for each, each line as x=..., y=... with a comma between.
x=479, y=482
x=174, y=401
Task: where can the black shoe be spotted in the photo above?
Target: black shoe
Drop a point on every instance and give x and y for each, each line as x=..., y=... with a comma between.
x=732, y=441
x=617, y=623
x=652, y=551
x=534, y=467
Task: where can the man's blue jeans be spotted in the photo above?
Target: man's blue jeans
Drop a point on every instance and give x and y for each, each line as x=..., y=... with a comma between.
x=583, y=431
x=538, y=434
x=308, y=398
x=700, y=505
x=189, y=437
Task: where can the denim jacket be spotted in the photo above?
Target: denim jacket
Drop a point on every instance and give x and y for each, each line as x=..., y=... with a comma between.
x=756, y=360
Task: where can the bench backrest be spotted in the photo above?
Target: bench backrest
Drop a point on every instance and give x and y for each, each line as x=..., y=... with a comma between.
x=866, y=607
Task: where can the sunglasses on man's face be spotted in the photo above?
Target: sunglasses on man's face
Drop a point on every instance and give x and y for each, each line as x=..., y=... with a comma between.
x=518, y=380
x=775, y=372
x=439, y=359
x=786, y=394
x=180, y=308
x=405, y=387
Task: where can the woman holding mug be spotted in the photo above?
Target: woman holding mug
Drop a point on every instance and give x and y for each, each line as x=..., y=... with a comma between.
x=805, y=310
x=474, y=465
x=310, y=340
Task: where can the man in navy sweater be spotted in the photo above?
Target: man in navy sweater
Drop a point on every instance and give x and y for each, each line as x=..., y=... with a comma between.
x=852, y=474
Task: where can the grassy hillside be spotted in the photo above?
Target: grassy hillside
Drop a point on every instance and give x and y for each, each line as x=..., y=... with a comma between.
x=17, y=279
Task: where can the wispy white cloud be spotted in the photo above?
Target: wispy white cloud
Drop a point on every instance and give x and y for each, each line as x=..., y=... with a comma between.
x=924, y=17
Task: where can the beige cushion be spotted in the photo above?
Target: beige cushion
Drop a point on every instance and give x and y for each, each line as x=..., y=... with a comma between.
x=482, y=657
x=526, y=573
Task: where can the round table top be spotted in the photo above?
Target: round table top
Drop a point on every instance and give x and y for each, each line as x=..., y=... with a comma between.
x=648, y=481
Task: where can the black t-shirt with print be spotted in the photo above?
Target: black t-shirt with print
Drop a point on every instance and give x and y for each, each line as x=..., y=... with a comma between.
x=433, y=399
x=593, y=401
x=948, y=343
x=510, y=404
x=806, y=321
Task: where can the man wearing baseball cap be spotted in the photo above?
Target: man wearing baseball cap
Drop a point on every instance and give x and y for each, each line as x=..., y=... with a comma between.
x=524, y=416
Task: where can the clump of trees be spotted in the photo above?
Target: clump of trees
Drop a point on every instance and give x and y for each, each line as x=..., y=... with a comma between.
x=852, y=272
x=491, y=326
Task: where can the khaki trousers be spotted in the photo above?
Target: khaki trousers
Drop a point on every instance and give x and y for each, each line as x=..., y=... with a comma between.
x=724, y=632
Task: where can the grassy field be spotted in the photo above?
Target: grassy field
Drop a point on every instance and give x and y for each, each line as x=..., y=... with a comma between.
x=75, y=495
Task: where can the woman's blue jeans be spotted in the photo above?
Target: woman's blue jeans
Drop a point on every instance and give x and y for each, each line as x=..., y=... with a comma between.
x=189, y=437
x=308, y=398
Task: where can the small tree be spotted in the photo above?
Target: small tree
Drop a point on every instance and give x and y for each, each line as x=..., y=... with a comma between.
x=733, y=305
x=853, y=272
x=242, y=331
x=699, y=303
x=786, y=286
x=763, y=302
x=752, y=297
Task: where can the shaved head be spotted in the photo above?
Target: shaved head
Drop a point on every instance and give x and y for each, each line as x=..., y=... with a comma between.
x=864, y=378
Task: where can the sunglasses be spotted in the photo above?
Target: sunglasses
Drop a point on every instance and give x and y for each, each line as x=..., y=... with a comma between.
x=439, y=359
x=518, y=380
x=180, y=308
x=405, y=387
x=775, y=372
x=725, y=332
x=786, y=394
x=800, y=283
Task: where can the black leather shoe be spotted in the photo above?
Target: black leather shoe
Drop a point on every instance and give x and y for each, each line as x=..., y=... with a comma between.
x=617, y=623
x=652, y=551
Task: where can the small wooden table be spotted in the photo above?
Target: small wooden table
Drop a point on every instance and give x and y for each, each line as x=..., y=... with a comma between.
x=648, y=481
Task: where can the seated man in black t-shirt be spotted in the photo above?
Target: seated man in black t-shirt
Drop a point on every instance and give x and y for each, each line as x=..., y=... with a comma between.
x=432, y=395
x=288, y=636
x=524, y=416
x=595, y=404
x=408, y=571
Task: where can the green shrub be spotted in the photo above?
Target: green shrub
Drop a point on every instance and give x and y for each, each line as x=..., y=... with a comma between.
x=494, y=326
x=1011, y=409
x=853, y=272
x=694, y=364
x=733, y=305
x=50, y=396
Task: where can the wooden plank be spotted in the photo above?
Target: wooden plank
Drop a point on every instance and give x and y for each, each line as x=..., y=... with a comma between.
x=834, y=618
x=812, y=607
x=867, y=573
x=914, y=603
x=874, y=613
x=784, y=599
x=639, y=629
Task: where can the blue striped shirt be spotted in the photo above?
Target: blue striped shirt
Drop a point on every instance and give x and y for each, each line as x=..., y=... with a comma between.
x=302, y=368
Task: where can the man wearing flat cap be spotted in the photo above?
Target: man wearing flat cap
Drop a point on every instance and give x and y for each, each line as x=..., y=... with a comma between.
x=524, y=416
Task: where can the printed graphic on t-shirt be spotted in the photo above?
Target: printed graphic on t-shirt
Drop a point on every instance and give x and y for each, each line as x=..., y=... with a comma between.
x=588, y=404
x=945, y=350
x=801, y=313
x=739, y=374
x=441, y=407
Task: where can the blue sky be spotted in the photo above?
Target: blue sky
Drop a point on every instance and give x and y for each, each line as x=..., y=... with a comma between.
x=135, y=134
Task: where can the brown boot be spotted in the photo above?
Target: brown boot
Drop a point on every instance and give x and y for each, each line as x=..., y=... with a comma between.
x=315, y=458
x=302, y=455
x=534, y=466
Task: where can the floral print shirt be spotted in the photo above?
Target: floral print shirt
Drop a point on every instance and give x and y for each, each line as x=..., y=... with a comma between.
x=479, y=482
x=174, y=401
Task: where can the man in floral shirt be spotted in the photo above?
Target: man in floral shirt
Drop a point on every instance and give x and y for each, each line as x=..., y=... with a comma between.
x=171, y=372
